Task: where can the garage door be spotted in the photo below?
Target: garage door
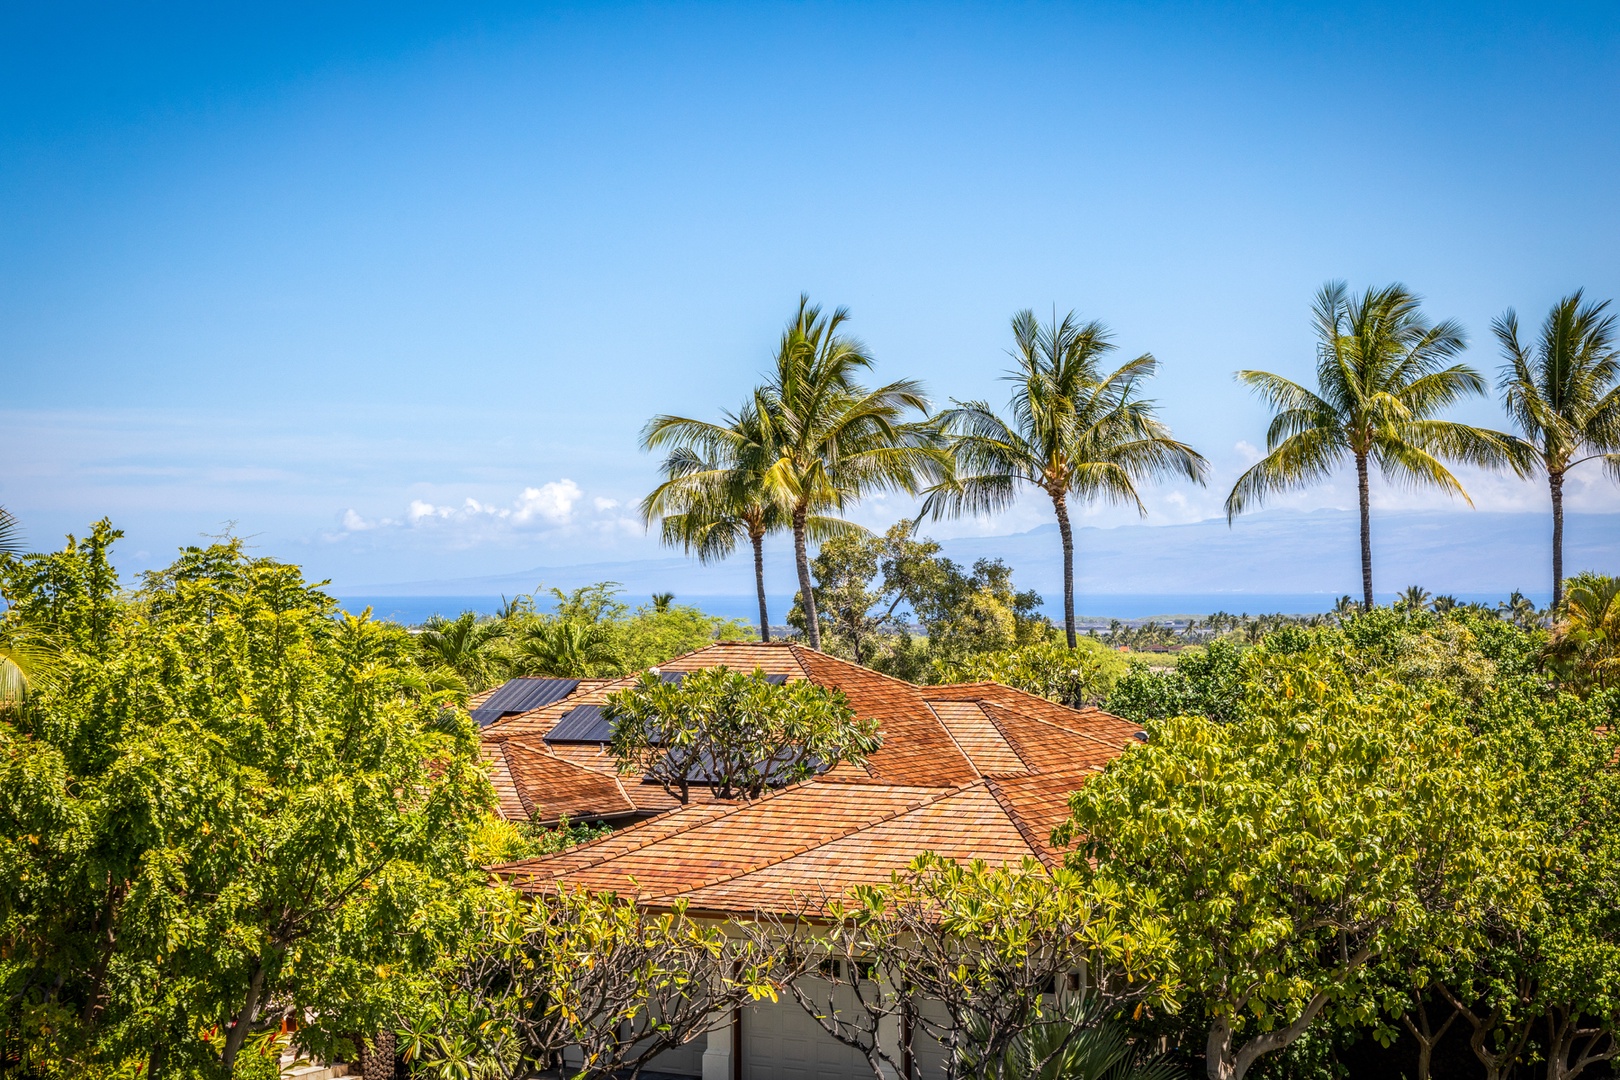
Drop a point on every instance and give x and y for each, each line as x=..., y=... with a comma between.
x=782, y=1040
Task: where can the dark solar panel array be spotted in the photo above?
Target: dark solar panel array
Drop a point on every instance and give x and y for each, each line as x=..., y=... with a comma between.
x=586, y=724
x=521, y=695
x=581, y=724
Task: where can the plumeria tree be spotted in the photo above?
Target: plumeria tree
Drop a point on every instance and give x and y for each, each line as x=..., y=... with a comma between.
x=738, y=733
x=1331, y=825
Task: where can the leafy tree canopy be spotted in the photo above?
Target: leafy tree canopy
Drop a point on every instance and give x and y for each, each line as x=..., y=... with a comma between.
x=229, y=804
x=1333, y=822
x=736, y=732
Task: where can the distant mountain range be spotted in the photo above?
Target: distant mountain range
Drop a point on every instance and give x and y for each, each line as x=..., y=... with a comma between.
x=1264, y=554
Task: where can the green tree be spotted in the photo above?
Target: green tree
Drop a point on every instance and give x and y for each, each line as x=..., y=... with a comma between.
x=591, y=972
x=1563, y=392
x=231, y=803
x=1413, y=598
x=468, y=645
x=738, y=733
x=965, y=954
x=1075, y=432
x=1083, y=675
x=1544, y=979
x=564, y=649
x=1208, y=684
x=1586, y=640
x=715, y=492
x=835, y=440
x=1331, y=825
x=822, y=440
x=1382, y=375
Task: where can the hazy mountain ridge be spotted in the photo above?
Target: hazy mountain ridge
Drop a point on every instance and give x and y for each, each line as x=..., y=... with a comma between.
x=1279, y=551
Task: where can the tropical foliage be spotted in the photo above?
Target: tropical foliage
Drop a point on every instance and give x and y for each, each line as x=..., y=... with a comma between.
x=1383, y=372
x=228, y=800
x=1563, y=393
x=1075, y=432
x=738, y=733
x=1335, y=823
x=824, y=439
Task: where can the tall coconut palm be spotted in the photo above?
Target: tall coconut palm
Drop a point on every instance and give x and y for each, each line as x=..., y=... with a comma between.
x=1382, y=375
x=1563, y=392
x=817, y=439
x=714, y=493
x=1075, y=433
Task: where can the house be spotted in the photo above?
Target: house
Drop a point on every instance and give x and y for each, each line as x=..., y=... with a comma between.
x=972, y=771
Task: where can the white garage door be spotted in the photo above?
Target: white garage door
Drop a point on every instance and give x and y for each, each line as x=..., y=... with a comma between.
x=782, y=1040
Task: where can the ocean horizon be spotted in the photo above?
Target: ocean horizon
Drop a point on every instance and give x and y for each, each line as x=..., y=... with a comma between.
x=1094, y=607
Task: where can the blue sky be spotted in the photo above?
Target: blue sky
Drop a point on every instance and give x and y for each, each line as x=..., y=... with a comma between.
x=393, y=288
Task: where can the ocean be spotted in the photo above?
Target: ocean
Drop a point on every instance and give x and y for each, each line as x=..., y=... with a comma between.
x=1093, y=607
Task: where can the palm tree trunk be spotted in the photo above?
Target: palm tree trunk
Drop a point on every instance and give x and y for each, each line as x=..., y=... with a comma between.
x=1556, y=482
x=1061, y=506
x=759, y=584
x=1366, y=531
x=807, y=595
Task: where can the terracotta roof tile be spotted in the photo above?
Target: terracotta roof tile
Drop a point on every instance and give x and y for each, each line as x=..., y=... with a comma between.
x=689, y=848
x=510, y=803
x=916, y=747
x=1038, y=804
x=552, y=787
x=978, y=737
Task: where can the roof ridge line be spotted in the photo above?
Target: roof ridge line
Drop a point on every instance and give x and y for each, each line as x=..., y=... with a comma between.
x=1007, y=738
x=929, y=801
x=728, y=811
x=960, y=749
x=1017, y=821
x=1042, y=720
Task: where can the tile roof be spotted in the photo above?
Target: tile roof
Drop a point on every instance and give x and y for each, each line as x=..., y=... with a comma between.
x=934, y=737
x=796, y=849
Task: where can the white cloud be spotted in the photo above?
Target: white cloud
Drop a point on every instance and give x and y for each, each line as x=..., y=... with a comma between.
x=545, y=508
x=551, y=503
x=1248, y=452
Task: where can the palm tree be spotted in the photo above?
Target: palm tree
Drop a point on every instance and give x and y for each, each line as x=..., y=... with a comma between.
x=714, y=493
x=565, y=649
x=1586, y=638
x=1413, y=598
x=661, y=601
x=1563, y=392
x=26, y=660
x=1520, y=610
x=465, y=645
x=1382, y=374
x=1444, y=603
x=1075, y=432
x=824, y=439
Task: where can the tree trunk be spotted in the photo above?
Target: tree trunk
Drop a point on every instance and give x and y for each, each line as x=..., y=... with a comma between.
x=1556, y=482
x=1366, y=531
x=1571, y=1048
x=1061, y=506
x=1223, y=1061
x=1426, y=1036
x=759, y=584
x=807, y=595
x=377, y=1057
x=244, y=1019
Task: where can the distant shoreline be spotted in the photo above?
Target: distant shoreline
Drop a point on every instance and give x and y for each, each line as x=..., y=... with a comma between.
x=1098, y=609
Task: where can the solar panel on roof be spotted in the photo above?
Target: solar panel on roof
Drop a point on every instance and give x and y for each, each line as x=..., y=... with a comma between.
x=521, y=695
x=581, y=724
